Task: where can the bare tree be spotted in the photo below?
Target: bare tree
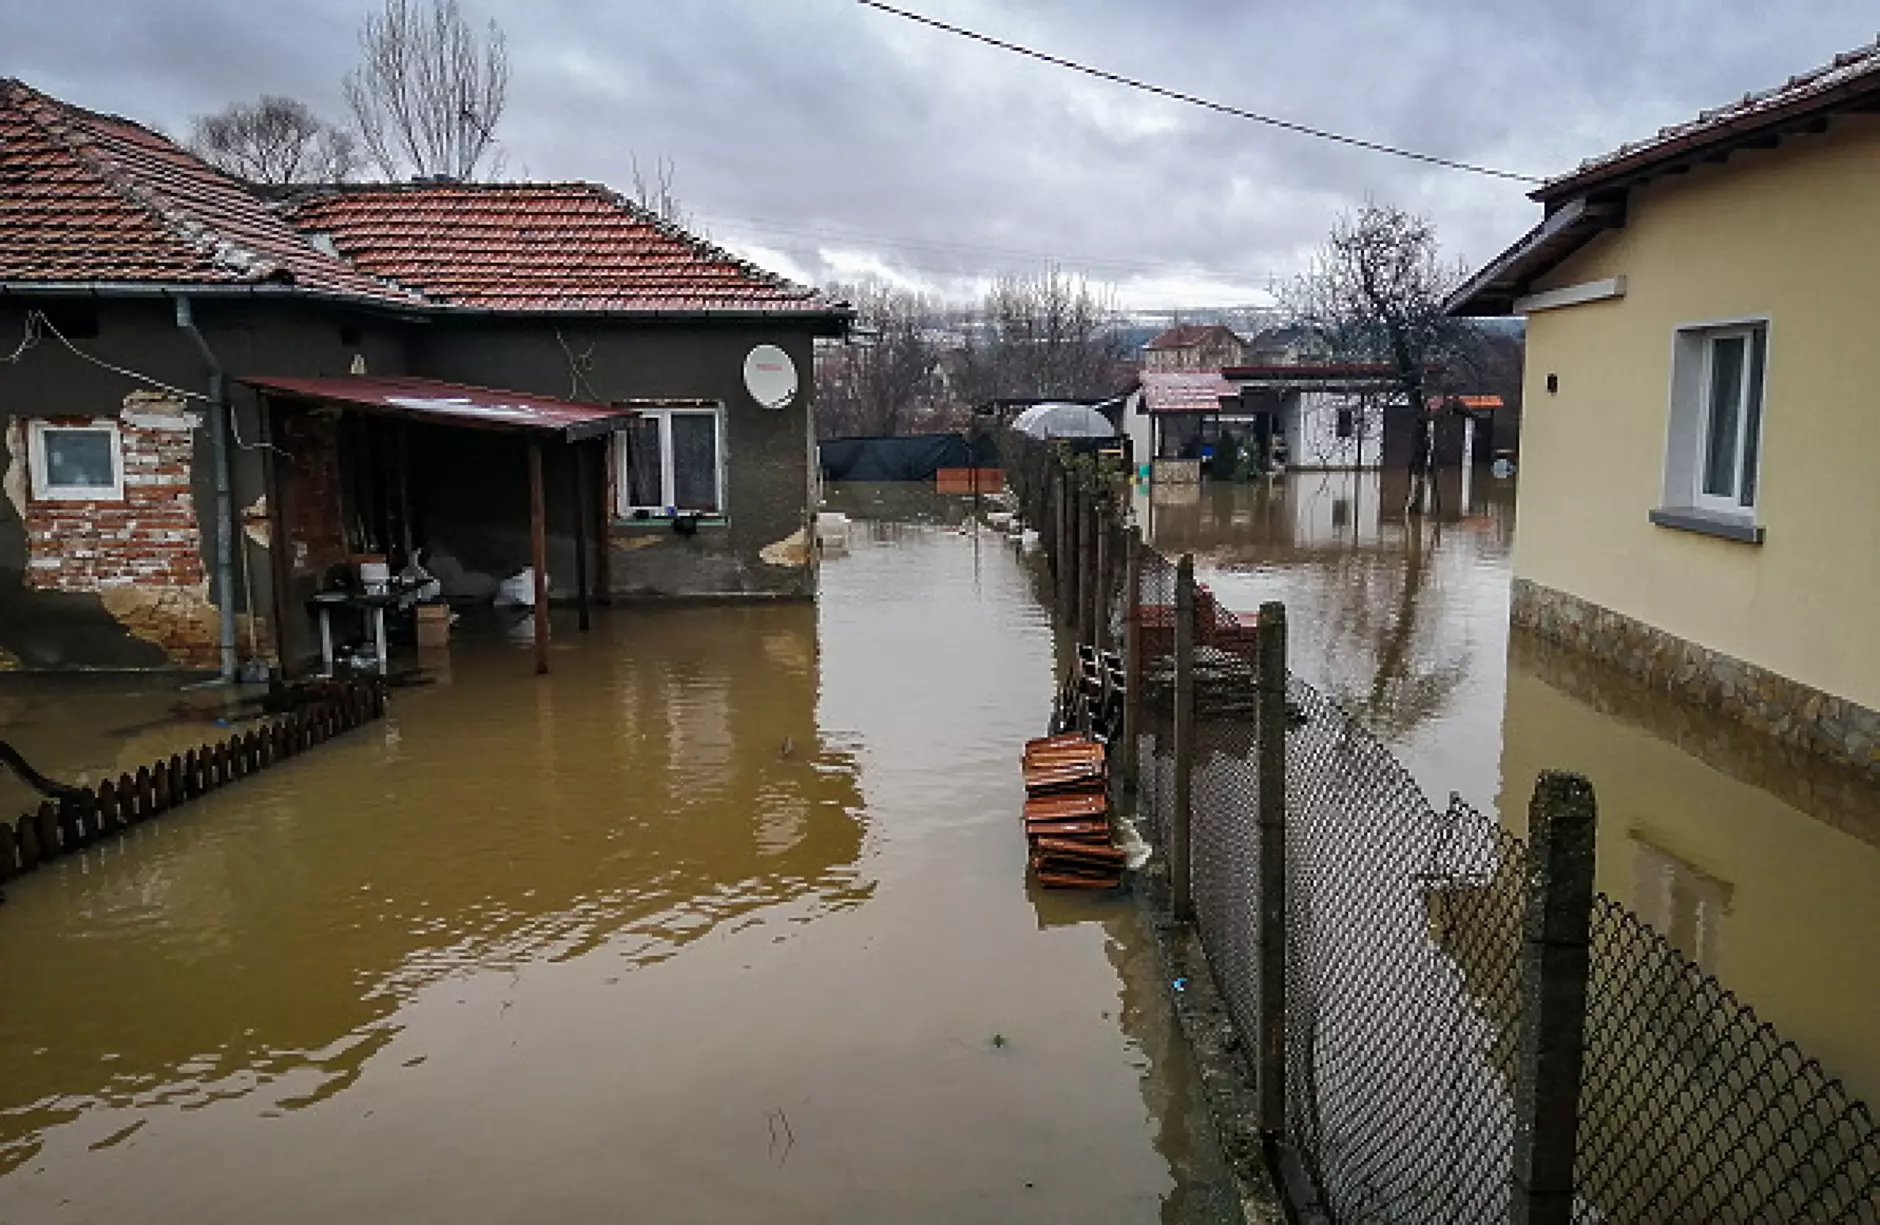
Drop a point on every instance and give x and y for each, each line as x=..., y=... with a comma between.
x=428, y=92
x=1374, y=294
x=1049, y=334
x=653, y=190
x=886, y=379
x=274, y=140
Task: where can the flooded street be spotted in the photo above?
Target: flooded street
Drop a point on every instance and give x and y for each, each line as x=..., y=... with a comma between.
x=726, y=919
x=1761, y=865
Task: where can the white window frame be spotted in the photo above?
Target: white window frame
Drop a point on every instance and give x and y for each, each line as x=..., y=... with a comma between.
x=43, y=488
x=1730, y=503
x=624, y=485
x=1688, y=435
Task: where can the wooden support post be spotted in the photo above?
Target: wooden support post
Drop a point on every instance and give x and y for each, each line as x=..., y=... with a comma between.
x=1181, y=869
x=1100, y=621
x=1271, y=727
x=1060, y=552
x=1087, y=563
x=601, y=501
x=538, y=554
x=1556, y=946
x=580, y=535
x=1132, y=658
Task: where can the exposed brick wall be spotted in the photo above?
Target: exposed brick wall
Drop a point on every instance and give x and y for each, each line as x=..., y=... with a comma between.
x=142, y=555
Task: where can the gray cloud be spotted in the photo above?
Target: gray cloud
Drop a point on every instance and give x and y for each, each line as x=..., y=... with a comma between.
x=837, y=137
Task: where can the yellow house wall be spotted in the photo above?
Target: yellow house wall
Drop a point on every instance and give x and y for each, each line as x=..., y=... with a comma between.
x=1792, y=234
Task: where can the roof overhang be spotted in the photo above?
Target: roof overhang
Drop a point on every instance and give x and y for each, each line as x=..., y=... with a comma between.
x=453, y=404
x=1506, y=278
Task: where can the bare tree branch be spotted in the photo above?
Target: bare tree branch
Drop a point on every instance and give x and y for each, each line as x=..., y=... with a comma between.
x=654, y=191
x=428, y=92
x=1374, y=294
x=886, y=380
x=274, y=140
x=1049, y=334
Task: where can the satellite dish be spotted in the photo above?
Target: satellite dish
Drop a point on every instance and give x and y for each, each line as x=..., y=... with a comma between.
x=770, y=376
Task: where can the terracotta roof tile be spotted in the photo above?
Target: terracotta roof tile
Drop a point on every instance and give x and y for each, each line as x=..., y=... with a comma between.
x=90, y=197
x=536, y=247
x=1188, y=335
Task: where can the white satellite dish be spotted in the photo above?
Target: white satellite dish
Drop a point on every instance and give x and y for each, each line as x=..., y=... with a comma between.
x=770, y=376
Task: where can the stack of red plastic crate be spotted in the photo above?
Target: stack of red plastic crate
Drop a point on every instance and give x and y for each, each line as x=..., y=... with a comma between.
x=1067, y=813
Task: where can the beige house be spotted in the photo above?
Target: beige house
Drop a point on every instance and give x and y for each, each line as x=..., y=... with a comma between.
x=1700, y=488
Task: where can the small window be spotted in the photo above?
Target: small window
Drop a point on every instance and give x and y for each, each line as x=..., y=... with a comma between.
x=672, y=460
x=1347, y=422
x=76, y=463
x=1715, y=441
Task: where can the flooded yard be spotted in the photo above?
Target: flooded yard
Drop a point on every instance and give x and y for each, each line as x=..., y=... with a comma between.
x=726, y=919
x=1761, y=865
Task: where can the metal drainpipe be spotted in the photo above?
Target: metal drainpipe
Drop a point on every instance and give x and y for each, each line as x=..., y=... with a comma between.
x=224, y=491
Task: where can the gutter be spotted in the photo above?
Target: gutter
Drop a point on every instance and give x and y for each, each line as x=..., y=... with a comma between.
x=840, y=318
x=224, y=491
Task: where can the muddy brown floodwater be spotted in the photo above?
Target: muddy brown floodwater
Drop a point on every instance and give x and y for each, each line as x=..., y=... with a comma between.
x=725, y=920
x=1760, y=864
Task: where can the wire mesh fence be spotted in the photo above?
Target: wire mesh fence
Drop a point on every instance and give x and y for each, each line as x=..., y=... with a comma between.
x=1409, y=1006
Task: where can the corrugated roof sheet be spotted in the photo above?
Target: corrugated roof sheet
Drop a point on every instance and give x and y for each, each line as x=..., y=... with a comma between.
x=1855, y=71
x=1185, y=391
x=537, y=247
x=458, y=404
x=86, y=197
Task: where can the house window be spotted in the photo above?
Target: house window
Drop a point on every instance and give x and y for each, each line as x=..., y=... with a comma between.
x=1347, y=422
x=671, y=460
x=1716, y=419
x=76, y=463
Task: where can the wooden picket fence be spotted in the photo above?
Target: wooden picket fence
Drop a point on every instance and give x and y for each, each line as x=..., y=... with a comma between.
x=89, y=815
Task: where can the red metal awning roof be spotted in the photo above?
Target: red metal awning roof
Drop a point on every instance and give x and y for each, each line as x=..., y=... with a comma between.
x=440, y=403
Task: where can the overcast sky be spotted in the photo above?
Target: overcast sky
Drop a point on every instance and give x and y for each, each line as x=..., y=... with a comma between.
x=829, y=140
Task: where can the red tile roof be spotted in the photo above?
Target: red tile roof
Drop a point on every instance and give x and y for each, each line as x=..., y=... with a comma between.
x=455, y=404
x=86, y=197
x=1851, y=78
x=1188, y=335
x=1185, y=391
x=537, y=247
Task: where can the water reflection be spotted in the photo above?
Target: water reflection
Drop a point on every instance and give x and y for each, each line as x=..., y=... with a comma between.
x=1758, y=862
x=667, y=779
x=567, y=949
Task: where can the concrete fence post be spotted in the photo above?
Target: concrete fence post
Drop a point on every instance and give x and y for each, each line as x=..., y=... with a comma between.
x=1086, y=619
x=1556, y=948
x=1062, y=564
x=1271, y=727
x=1180, y=865
x=1132, y=658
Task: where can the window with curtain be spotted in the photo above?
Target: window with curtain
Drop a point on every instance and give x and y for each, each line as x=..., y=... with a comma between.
x=671, y=460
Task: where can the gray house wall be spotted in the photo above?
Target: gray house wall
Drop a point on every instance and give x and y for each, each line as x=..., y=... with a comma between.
x=759, y=548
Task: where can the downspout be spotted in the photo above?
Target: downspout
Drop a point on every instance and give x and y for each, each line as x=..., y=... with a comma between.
x=224, y=491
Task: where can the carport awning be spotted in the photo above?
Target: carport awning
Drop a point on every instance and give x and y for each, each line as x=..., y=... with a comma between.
x=440, y=403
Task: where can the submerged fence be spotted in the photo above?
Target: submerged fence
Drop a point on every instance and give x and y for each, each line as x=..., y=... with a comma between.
x=1445, y=1021
x=82, y=816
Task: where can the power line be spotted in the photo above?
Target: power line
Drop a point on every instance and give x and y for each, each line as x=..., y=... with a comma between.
x=1178, y=96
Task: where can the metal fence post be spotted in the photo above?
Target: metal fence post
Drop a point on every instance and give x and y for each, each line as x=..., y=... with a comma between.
x=1271, y=726
x=1556, y=941
x=1132, y=658
x=1181, y=869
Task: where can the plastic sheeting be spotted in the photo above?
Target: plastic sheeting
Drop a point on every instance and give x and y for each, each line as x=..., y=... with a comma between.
x=913, y=458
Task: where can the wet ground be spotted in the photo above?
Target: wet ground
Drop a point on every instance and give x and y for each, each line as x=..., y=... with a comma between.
x=1760, y=864
x=725, y=920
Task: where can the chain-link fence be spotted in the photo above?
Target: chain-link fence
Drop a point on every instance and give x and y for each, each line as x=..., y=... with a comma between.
x=1410, y=1038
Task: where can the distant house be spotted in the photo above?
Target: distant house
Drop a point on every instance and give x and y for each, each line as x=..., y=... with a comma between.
x=1328, y=414
x=1698, y=500
x=211, y=400
x=1164, y=416
x=1193, y=346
